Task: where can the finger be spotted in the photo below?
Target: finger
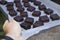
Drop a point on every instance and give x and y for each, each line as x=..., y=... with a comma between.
x=6, y=22
x=11, y=20
x=14, y=20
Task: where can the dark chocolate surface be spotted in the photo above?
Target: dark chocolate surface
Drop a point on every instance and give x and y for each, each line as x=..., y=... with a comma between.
x=12, y=13
x=48, y=11
x=16, y=1
x=10, y=3
x=3, y=2
x=29, y=20
x=25, y=25
x=20, y=9
x=18, y=5
x=30, y=8
x=37, y=3
x=24, y=14
x=25, y=1
x=54, y=17
x=26, y=4
x=42, y=7
x=19, y=18
x=36, y=13
x=10, y=8
x=37, y=24
x=44, y=18
x=32, y=0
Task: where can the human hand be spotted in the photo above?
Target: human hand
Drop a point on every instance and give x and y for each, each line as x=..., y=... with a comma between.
x=12, y=29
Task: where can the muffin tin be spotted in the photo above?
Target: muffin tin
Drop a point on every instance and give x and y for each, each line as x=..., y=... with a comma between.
x=33, y=23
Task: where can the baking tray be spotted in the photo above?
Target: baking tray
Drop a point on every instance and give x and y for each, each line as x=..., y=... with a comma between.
x=28, y=33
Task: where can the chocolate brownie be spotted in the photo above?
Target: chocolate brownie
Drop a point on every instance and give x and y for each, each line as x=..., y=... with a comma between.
x=44, y=18
x=25, y=1
x=16, y=1
x=9, y=8
x=24, y=14
x=20, y=9
x=37, y=3
x=32, y=0
x=19, y=18
x=36, y=13
x=48, y=11
x=12, y=13
x=18, y=4
x=26, y=4
x=37, y=24
x=42, y=7
x=25, y=25
x=54, y=17
x=30, y=8
x=3, y=2
x=29, y=20
x=10, y=3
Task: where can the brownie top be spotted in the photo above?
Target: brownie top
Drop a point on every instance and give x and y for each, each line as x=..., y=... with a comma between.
x=25, y=25
x=42, y=7
x=36, y=13
x=44, y=18
x=32, y=0
x=54, y=16
x=10, y=3
x=48, y=11
x=18, y=5
x=18, y=18
x=16, y=1
x=3, y=2
x=26, y=4
x=37, y=3
x=12, y=13
x=25, y=1
x=31, y=8
x=29, y=20
x=38, y=23
x=24, y=14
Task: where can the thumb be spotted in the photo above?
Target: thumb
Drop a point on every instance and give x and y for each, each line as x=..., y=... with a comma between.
x=4, y=26
x=6, y=22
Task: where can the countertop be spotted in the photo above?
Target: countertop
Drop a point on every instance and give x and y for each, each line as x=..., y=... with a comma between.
x=51, y=34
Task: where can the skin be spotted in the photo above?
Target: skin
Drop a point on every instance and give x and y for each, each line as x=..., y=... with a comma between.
x=12, y=29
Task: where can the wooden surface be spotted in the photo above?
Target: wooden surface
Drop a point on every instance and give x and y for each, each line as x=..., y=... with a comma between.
x=51, y=34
